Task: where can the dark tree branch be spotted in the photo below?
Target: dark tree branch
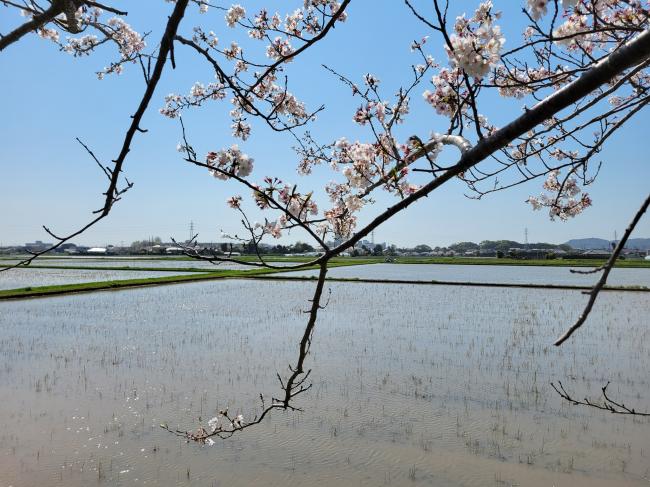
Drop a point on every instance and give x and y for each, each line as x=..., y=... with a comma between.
x=37, y=21
x=113, y=193
x=292, y=386
x=631, y=54
x=608, y=403
x=593, y=294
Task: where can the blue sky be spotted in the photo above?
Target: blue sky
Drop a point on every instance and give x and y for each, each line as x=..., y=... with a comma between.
x=49, y=98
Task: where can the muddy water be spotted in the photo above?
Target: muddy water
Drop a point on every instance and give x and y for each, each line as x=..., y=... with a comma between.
x=412, y=386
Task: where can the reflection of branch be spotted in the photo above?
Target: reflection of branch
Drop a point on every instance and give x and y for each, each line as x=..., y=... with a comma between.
x=113, y=193
x=593, y=294
x=292, y=386
x=608, y=403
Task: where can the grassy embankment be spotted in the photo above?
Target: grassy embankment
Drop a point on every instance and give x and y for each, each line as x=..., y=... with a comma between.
x=36, y=291
x=262, y=274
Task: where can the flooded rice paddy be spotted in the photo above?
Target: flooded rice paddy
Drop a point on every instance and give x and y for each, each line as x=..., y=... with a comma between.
x=412, y=385
x=502, y=274
x=136, y=262
x=20, y=278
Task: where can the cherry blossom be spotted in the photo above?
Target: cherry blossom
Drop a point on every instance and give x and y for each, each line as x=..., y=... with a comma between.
x=234, y=15
x=566, y=200
x=476, y=44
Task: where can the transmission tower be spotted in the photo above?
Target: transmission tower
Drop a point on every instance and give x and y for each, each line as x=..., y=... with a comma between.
x=526, y=237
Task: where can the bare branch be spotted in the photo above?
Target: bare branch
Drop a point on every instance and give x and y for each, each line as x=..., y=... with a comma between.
x=113, y=193
x=608, y=403
x=593, y=294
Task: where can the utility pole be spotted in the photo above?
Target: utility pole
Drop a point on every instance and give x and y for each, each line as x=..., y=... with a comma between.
x=526, y=237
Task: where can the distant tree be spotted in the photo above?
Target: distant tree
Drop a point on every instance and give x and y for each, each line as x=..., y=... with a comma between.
x=463, y=247
x=422, y=248
x=378, y=250
x=301, y=248
x=279, y=249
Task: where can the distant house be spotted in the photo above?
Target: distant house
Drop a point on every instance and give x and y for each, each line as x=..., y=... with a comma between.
x=97, y=251
x=37, y=246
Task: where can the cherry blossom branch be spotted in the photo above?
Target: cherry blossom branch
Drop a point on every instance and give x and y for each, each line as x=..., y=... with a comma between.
x=608, y=403
x=113, y=193
x=627, y=56
x=593, y=294
x=55, y=8
x=242, y=93
x=330, y=24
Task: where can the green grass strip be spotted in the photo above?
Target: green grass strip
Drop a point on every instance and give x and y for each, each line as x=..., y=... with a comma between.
x=38, y=291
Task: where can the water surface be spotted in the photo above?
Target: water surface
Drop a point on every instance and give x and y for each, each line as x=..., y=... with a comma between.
x=19, y=278
x=413, y=385
x=486, y=273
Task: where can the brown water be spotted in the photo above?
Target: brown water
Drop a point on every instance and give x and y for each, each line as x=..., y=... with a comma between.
x=412, y=386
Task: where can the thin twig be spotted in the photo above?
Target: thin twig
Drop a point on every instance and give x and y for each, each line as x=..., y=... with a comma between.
x=593, y=294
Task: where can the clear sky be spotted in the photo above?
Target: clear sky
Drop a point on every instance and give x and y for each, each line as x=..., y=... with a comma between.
x=49, y=98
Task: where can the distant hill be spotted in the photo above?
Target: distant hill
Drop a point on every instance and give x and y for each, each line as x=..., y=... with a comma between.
x=601, y=243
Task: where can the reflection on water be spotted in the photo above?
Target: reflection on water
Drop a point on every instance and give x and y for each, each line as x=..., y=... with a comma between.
x=486, y=273
x=426, y=385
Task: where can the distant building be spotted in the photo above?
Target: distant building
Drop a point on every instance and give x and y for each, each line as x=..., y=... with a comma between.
x=37, y=246
x=97, y=251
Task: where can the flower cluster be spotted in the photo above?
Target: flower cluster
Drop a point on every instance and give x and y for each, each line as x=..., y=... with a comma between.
x=198, y=94
x=539, y=8
x=128, y=40
x=234, y=14
x=565, y=200
x=295, y=206
x=447, y=95
x=278, y=49
x=229, y=162
x=79, y=46
x=476, y=43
